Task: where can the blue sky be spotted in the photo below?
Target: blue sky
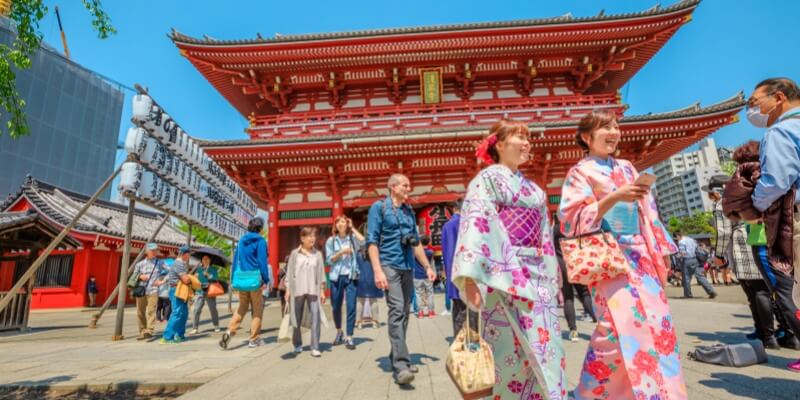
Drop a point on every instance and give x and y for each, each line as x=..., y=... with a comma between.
x=729, y=46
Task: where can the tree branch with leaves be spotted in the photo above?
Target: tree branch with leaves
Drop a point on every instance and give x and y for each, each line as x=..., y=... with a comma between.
x=26, y=16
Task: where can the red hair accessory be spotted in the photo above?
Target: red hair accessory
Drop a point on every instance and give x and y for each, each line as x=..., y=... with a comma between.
x=483, y=149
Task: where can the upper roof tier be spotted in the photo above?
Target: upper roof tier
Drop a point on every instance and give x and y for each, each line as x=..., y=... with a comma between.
x=595, y=55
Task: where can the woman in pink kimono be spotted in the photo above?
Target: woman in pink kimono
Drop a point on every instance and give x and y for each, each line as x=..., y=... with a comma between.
x=505, y=266
x=633, y=353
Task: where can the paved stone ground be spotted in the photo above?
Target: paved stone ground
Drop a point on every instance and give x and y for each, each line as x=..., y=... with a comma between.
x=62, y=353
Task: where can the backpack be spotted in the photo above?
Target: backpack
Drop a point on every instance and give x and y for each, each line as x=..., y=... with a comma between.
x=731, y=355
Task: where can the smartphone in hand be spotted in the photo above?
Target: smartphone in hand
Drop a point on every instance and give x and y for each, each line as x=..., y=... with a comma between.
x=646, y=179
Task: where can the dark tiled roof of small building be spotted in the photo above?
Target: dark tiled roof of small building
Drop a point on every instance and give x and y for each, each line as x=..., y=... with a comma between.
x=103, y=217
x=31, y=226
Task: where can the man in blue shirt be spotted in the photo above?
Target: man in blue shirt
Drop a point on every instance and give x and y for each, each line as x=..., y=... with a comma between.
x=175, y=332
x=691, y=267
x=775, y=105
x=393, y=243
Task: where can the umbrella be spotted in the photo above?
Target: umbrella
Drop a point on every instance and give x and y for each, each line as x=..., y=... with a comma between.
x=217, y=257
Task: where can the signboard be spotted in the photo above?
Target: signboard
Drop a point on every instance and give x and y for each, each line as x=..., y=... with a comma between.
x=430, y=82
x=432, y=219
x=172, y=173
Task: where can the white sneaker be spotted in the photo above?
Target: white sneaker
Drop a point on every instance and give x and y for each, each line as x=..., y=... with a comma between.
x=315, y=353
x=254, y=343
x=194, y=332
x=298, y=349
x=217, y=330
x=445, y=312
x=573, y=336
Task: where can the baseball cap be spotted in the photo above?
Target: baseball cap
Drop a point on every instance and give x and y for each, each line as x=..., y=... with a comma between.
x=183, y=250
x=152, y=246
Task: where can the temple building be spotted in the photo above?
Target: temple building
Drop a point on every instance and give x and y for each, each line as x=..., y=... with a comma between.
x=333, y=115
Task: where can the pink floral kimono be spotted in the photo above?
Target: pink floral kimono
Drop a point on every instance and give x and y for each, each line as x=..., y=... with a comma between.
x=633, y=353
x=504, y=245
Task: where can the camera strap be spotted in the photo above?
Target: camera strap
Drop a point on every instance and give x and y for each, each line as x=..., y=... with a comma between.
x=397, y=218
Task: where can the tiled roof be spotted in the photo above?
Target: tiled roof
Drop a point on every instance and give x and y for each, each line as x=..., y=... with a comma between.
x=733, y=103
x=565, y=19
x=31, y=224
x=8, y=219
x=103, y=217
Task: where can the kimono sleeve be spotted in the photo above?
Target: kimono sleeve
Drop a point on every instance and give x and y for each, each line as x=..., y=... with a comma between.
x=483, y=249
x=663, y=240
x=578, y=211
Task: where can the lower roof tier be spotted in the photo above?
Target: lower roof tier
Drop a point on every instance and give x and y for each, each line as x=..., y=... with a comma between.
x=354, y=167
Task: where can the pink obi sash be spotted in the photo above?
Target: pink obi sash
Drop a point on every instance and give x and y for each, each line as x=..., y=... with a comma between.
x=524, y=225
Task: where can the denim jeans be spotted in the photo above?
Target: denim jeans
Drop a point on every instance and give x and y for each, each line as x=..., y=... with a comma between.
x=692, y=268
x=176, y=327
x=343, y=289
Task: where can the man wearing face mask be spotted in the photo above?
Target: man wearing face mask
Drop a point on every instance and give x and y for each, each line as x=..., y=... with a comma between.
x=775, y=105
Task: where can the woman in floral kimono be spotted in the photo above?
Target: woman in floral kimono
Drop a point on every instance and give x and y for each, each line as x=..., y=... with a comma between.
x=505, y=266
x=633, y=352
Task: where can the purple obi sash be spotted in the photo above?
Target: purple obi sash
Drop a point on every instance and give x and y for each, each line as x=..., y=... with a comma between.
x=524, y=225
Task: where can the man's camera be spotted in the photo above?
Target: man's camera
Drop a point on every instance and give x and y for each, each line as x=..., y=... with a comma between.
x=409, y=240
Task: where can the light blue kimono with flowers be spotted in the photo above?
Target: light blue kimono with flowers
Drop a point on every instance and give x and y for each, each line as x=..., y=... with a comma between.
x=524, y=278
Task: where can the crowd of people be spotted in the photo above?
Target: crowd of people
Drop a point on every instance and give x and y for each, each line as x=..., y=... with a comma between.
x=506, y=265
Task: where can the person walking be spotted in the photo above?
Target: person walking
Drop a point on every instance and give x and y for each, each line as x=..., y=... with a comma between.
x=175, y=331
x=305, y=276
x=341, y=250
x=505, y=267
x=164, y=307
x=150, y=273
x=459, y=309
x=393, y=243
x=633, y=352
x=249, y=273
x=206, y=274
x=422, y=285
x=368, y=294
x=691, y=267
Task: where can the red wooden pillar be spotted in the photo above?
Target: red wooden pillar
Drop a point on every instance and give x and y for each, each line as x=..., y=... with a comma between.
x=273, y=242
x=337, y=208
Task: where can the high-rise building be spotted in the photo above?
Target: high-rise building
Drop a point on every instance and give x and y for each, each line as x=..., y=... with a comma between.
x=679, y=180
x=74, y=120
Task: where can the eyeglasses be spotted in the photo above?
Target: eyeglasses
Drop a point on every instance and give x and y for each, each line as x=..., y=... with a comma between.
x=754, y=101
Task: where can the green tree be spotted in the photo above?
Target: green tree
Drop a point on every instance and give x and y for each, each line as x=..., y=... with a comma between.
x=26, y=15
x=698, y=223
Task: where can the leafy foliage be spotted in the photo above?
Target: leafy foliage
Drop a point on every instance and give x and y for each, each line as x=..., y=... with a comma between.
x=728, y=167
x=697, y=223
x=26, y=15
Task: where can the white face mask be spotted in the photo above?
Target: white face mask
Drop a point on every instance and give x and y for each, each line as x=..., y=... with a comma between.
x=758, y=119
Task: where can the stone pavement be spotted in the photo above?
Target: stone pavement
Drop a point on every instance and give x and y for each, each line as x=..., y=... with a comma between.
x=62, y=353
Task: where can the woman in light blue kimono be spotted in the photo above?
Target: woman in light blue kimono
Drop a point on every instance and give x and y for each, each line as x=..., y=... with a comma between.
x=505, y=266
